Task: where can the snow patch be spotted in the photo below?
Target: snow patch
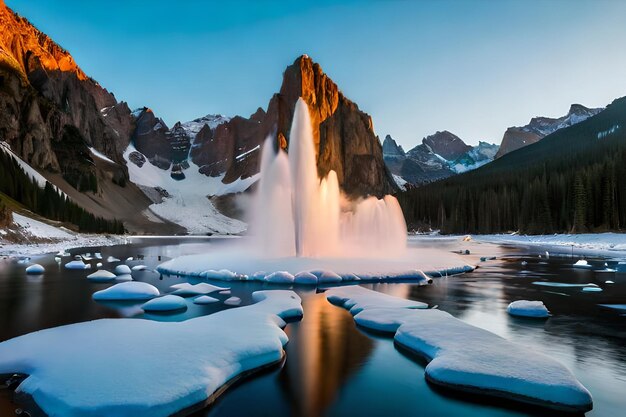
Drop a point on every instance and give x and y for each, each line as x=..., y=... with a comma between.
x=128, y=291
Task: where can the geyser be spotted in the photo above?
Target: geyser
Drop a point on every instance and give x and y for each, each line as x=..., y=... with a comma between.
x=299, y=214
x=303, y=230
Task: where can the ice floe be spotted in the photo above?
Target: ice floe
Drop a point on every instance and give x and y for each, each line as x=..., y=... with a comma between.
x=464, y=357
x=112, y=259
x=85, y=368
x=232, y=301
x=35, y=269
x=77, y=265
x=582, y=264
x=134, y=290
x=139, y=268
x=526, y=308
x=562, y=284
x=101, y=276
x=166, y=303
x=592, y=289
x=122, y=269
x=124, y=277
x=202, y=288
x=205, y=299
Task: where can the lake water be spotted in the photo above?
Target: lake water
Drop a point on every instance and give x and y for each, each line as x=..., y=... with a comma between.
x=333, y=368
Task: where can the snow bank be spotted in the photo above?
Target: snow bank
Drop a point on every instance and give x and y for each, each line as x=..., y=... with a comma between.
x=128, y=291
x=464, y=357
x=591, y=243
x=525, y=308
x=85, y=368
x=39, y=229
x=165, y=303
x=35, y=269
x=101, y=276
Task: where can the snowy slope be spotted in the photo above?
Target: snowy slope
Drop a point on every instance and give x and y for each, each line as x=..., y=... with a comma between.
x=30, y=171
x=187, y=203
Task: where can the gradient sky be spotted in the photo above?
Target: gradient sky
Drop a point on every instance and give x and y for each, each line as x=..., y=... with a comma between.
x=471, y=67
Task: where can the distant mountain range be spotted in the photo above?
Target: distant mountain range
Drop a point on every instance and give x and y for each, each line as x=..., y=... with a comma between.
x=444, y=154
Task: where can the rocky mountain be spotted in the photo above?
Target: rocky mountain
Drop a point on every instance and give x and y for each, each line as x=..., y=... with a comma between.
x=439, y=156
x=228, y=148
x=540, y=127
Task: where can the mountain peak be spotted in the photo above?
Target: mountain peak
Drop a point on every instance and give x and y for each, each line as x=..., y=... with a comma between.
x=391, y=149
x=446, y=144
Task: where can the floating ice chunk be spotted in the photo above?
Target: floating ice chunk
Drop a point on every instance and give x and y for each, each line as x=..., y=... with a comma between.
x=232, y=301
x=356, y=299
x=326, y=277
x=35, y=269
x=222, y=274
x=618, y=307
x=130, y=258
x=582, y=264
x=306, y=278
x=112, y=259
x=99, y=265
x=134, y=290
x=609, y=282
x=76, y=265
x=525, y=308
x=122, y=269
x=124, y=278
x=166, y=303
x=63, y=254
x=205, y=299
x=83, y=369
x=57, y=259
x=101, y=276
x=465, y=357
x=139, y=268
x=186, y=288
x=225, y=292
x=98, y=255
x=86, y=257
x=562, y=284
x=279, y=277
x=592, y=289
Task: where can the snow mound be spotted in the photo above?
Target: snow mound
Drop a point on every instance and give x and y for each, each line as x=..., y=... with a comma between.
x=232, y=301
x=327, y=277
x=198, y=289
x=305, y=278
x=83, y=369
x=525, y=308
x=582, y=264
x=205, y=299
x=76, y=265
x=101, y=276
x=222, y=274
x=111, y=259
x=35, y=269
x=124, y=277
x=128, y=291
x=465, y=357
x=165, y=303
x=139, y=268
x=280, y=277
x=122, y=269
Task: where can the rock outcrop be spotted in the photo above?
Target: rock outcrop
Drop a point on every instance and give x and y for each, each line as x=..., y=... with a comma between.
x=539, y=127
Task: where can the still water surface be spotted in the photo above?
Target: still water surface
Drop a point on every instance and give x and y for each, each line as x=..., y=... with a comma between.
x=333, y=368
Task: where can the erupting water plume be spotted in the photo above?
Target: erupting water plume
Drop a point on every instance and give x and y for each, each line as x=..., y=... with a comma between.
x=297, y=213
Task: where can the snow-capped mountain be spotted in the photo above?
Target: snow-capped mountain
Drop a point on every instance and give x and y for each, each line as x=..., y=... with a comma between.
x=539, y=127
x=439, y=156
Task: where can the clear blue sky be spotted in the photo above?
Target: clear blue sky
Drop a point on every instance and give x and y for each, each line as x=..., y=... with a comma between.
x=471, y=67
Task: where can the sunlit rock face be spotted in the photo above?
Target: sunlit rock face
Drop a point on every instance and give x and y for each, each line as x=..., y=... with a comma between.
x=42, y=89
x=343, y=136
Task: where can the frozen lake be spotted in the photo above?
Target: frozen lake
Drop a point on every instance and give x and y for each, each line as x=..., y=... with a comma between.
x=333, y=368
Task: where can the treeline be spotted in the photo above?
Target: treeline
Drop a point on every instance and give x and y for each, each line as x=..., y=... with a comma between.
x=572, y=181
x=47, y=201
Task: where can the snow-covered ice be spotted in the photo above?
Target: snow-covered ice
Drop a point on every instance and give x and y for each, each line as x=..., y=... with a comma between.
x=526, y=308
x=592, y=289
x=101, y=275
x=562, y=284
x=205, y=299
x=111, y=259
x=76, y=264
x=582, y=264
x=232, y=301
x=128, y=291
x=166, y=303
x=35, y=269
x=85, y=368
x=124, y=277
x=279, y=277
x=122, y=269
x=139, y=268
x=202, y=288
x=465, y=357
